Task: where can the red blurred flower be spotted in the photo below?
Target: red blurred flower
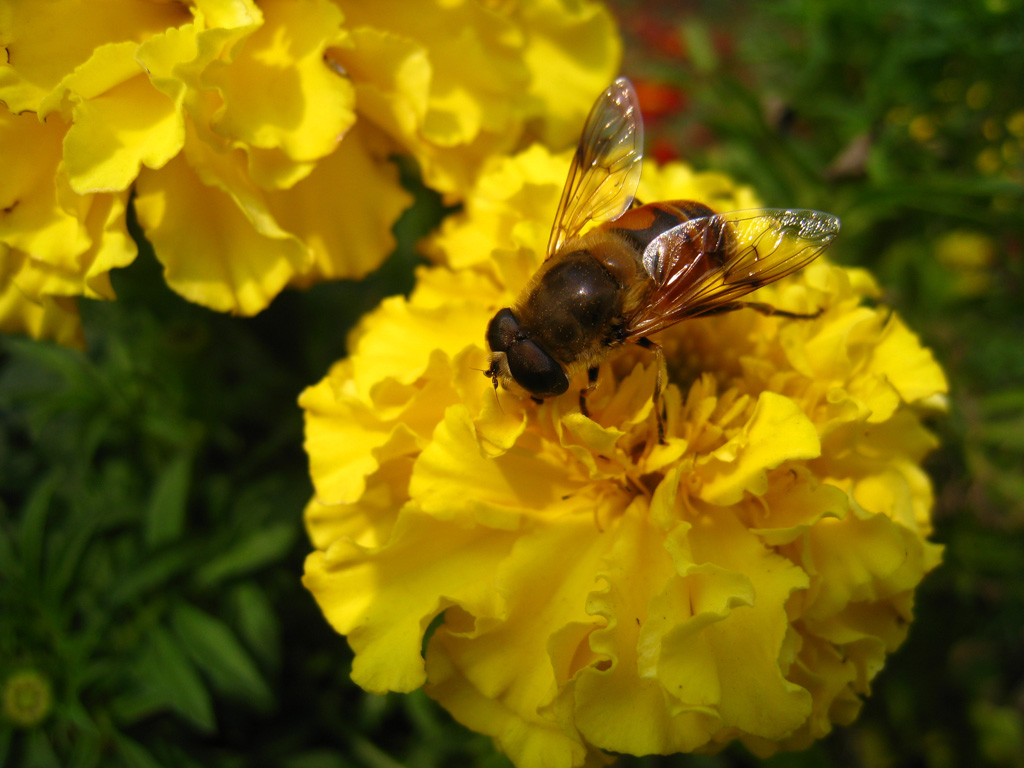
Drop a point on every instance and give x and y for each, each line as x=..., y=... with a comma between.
x=663, y=151
x=663, y=38
x=658, y=99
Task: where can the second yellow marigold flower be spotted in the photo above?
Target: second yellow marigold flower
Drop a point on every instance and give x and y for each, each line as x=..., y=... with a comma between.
x=257, y=135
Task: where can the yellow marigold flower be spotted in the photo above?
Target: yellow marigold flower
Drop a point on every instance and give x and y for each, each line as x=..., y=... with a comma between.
x=257, y=135
x=602, y=592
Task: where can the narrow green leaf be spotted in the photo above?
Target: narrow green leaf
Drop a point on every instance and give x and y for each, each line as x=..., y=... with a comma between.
x=132, y=707
x=6, y=736
x=1006, y=402
x=86, y=751
x=75, y=713
x=10, y=565
x=152, y=574
x=252, y=553
x=64, y=555
x=1007, y=434
x=164, y=518
x=69, y=364
x=33, y=524
x=257, y=623
x=213, y=647
x=167, y=678
x=39, y=751
x=322, y=758
x=134, y=755
x=423, y=713
x=372, y=755
x=700, y=46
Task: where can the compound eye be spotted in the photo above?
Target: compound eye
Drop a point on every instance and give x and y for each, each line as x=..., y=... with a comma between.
x=502, y=330
x=535, y=370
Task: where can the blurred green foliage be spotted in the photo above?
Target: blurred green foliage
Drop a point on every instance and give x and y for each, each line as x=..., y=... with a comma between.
x=151, y=488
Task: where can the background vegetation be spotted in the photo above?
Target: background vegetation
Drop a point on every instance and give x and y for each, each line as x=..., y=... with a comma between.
x=151, y=488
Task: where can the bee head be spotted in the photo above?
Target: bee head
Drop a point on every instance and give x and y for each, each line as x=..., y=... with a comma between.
x=518, y=360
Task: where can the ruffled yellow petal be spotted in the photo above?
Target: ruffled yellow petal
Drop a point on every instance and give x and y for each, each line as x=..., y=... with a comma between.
x=615, y=708
x=32, y=219
x=369, y=521
x=390, y=348
x=44, y=317
x=909, y=367
x=778, y=431
x=391, y=75
x=415, y=582
x=499, y=675
x=119, y=121
x=578, y=41
x=514, y=197
x=344, y=434
x=219, y=245
x=42, y=48
x=455, y=83
x=748, y=647
x=351, y=439
x=526, y=743
x=277, y=91
x=458, y=123
x=793, y=504
x=344, y=211
x=71, y=240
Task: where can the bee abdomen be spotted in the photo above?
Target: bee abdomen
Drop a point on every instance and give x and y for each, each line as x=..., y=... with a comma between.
x=640, y=226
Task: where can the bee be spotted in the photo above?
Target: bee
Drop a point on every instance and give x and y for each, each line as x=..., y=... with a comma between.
x=640, y=268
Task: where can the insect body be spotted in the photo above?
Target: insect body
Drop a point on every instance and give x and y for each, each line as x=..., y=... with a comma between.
x=642, y=268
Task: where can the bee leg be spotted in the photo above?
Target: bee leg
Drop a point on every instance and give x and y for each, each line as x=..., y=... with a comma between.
x=659, y=406
x=764, y=309
x=591, y=383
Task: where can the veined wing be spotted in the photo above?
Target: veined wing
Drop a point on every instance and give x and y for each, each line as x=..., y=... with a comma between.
x=606, y=168
x=706, y=263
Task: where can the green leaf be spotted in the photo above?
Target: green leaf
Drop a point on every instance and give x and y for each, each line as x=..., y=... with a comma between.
x=6, y=736
x=134, y=755
x=86, y=751
x=213, y=647
x=33, y=524
x=323, y=758
x=372, y=755
x=167, y=679
x=76, y=714
x=39, y=751
x=1007, y=434
x=700, y=46
x=165, y=515
x=257, y=623
x=9, y=564
x=68, y=364
x=252, y=553
x=153, y=574
x=65, y=554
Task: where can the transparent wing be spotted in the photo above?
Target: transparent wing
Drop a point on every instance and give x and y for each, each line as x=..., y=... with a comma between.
x=706, y=263
x=606, y=169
